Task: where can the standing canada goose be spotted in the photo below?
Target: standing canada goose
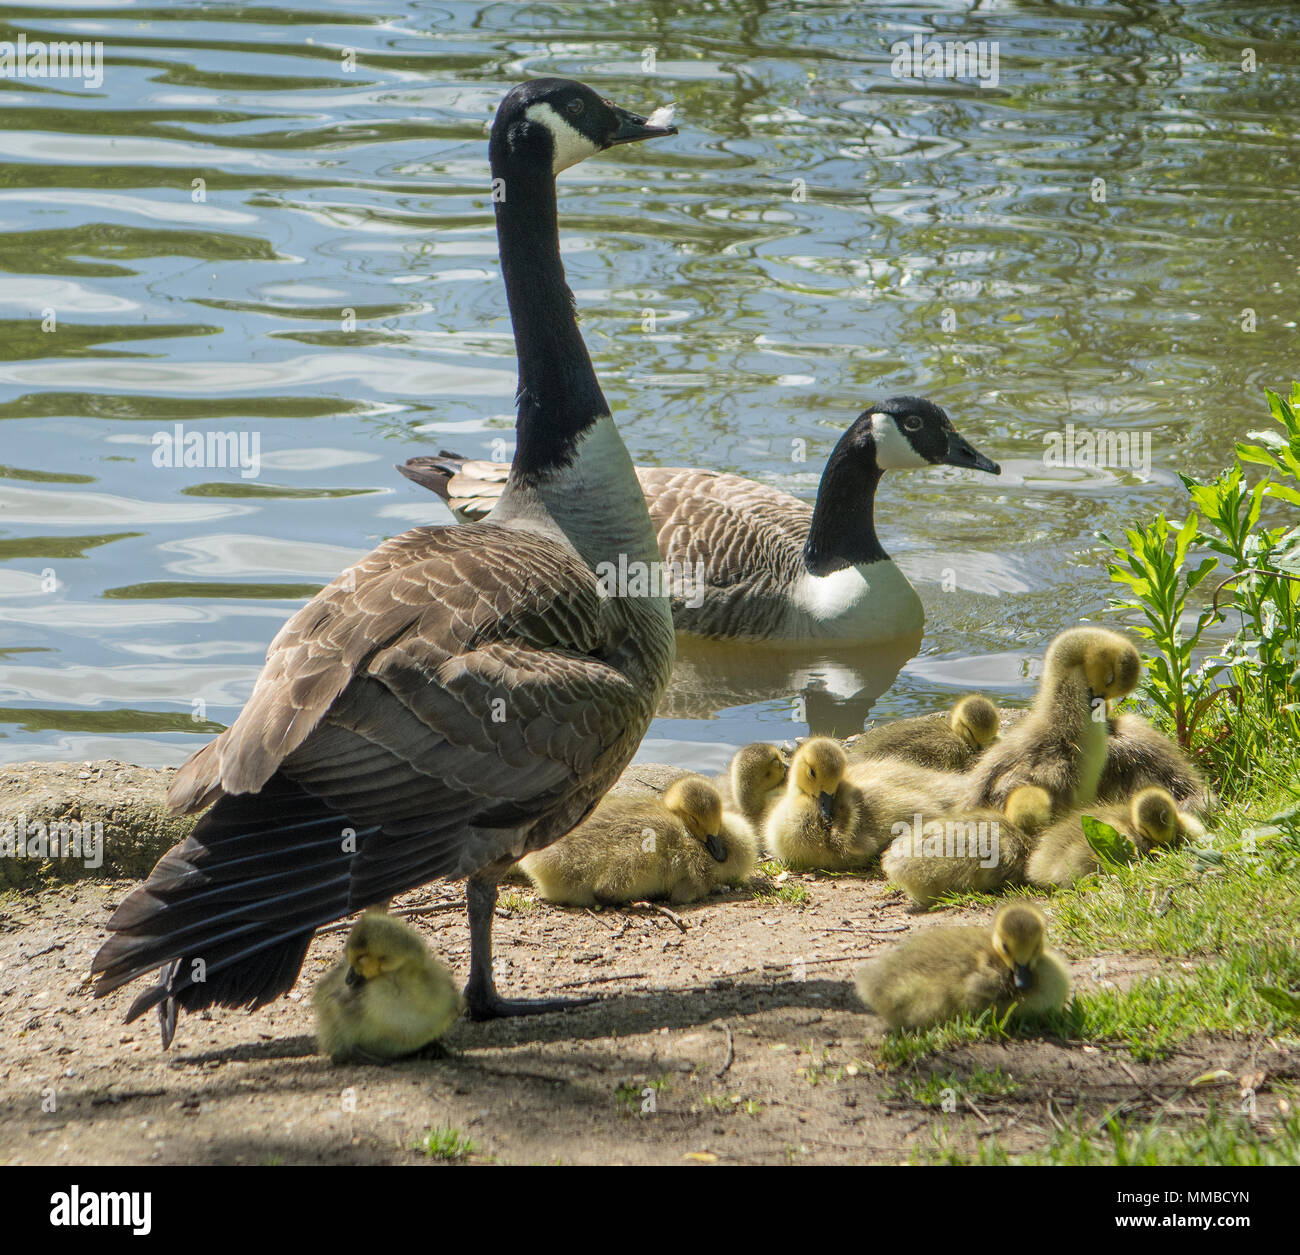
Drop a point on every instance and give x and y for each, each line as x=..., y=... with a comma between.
x=1137, y=756
x=942, y=972
x=460, y=696
x=387, y=997
x=756, y=780
x=949, y=743
x=773, y=567
x=631, y=848
x=1061, y=744
x=972, y=851
x=815, y=825
x=1150, y=820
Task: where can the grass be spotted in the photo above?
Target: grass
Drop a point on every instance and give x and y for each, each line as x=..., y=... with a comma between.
x=518, y=903
x=943, y=1091
x=446, y=1143
x=632, y=1096
x=1224, y=1137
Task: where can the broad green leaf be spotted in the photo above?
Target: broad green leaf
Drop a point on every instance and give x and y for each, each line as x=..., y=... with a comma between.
x=1111, y=849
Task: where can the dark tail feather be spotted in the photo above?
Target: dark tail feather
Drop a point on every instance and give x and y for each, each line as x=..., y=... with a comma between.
x=229, y=913
x=433, y=473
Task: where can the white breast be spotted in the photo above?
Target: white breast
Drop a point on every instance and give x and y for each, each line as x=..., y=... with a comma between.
x=870, y=601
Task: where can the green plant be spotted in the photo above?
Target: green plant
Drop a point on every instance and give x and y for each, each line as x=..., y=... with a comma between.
x=1154, y=572
x=1258, y=580
x=444, y=1142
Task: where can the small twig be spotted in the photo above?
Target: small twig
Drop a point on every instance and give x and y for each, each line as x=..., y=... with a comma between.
x=667, y=914
x=602, y=980
x=966, y=1099
x=601, y=922
x=731, y=1049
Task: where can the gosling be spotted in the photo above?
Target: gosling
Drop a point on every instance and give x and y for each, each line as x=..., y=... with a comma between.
x=756, y=780
x=1061, y=744
x=950, y=744
x=1150, y=821
x=386, y=998
x=1139, y=757
x=968, y=851
x=815, y=824
x=629, y=849
x=942, y=973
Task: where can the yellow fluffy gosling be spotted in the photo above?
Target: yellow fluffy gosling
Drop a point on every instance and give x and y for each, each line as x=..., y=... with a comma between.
x=1139, y=757
x=975, y=851
x=815, y=824
x=1151, y=819
x=631, y=848
x=756, y=779
x=1061, y=744
x=387, y=997
x=946, y=744
x=942, y=972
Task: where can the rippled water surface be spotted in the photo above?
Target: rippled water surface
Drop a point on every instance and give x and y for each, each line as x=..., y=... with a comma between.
x=273, y=221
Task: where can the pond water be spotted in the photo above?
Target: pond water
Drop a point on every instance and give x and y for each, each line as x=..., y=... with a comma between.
x=1102, y=241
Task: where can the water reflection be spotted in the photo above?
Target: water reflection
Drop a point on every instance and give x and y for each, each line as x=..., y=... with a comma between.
x=246, y=229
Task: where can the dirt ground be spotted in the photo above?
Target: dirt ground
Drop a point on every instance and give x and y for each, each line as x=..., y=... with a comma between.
x=735, y=1039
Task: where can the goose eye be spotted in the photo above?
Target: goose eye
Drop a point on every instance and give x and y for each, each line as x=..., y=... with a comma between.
x=574, y=107
x=912, y=423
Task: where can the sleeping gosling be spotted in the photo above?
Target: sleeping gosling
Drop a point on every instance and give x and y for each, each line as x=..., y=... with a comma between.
x=633, y=848
x=1061, y=744
x=976, y=851
x=1150, y=821
x=386, y=998
x=942, y=972
x=946, y=744
x=814, y=826
x=1139, y=757
x=756, y=779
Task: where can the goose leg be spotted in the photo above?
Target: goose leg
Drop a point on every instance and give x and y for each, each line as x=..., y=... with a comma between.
x=482, y=1002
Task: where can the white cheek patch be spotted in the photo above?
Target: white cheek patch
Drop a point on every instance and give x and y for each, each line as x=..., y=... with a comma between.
x=893, y=450
x=569, y=144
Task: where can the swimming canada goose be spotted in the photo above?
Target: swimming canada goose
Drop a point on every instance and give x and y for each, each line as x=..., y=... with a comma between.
x=1151, y=819
x=948, y=743
x=632, y=848
x=755, y=780
x=971, y=851
x=942, y=972
x=815, y=825
x=1061, y=744
x=460, y=696
x=1137, y=756
x=774, y=568
x=387, y=997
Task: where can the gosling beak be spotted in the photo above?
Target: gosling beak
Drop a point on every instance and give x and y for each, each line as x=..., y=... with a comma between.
x=1022, y=976
x=962, y=453
x=353, y=977
x=826, y=804
x=713, y=843
x=633, y=127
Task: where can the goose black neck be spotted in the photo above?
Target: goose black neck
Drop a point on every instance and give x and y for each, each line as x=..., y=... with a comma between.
x=843, y=529
x=558, y=396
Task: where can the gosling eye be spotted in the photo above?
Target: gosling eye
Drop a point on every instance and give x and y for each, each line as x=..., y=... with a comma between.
x=812, y=773
x=574, y=106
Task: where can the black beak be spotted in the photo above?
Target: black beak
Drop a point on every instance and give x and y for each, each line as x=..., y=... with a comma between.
x=715, y=847
x=826, y=804
x=962, y=453
x=632, y=127
x=419, y=471
x=353, y=977
x=1022, y=976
